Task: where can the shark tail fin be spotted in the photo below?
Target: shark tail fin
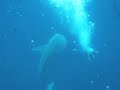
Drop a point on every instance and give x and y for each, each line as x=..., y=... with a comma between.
x=50, y=86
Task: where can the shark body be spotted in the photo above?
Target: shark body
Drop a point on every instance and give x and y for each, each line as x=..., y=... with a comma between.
x=56, y=44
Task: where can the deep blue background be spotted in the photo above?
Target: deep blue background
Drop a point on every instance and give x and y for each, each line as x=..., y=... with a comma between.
x=21, y=21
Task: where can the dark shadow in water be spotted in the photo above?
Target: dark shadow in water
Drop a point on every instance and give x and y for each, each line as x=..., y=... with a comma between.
x=116, y=6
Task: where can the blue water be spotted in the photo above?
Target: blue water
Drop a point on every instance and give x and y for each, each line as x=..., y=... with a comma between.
x=28, y=23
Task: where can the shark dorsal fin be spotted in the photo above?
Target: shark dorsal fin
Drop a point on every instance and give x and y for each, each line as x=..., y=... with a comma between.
x=40, y=48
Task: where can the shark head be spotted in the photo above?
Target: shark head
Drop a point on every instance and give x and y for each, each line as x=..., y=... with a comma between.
x=58, y=42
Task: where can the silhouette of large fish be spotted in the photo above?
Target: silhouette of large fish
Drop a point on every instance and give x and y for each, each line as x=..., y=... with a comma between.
x=55, y=45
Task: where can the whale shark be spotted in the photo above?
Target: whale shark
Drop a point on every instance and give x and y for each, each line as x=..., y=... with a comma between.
x=56, y=44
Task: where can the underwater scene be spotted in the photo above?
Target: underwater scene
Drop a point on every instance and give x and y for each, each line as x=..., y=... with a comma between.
x=59, y=44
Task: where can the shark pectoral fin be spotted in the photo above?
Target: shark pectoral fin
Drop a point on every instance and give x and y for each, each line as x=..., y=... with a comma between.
x=39, y=48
